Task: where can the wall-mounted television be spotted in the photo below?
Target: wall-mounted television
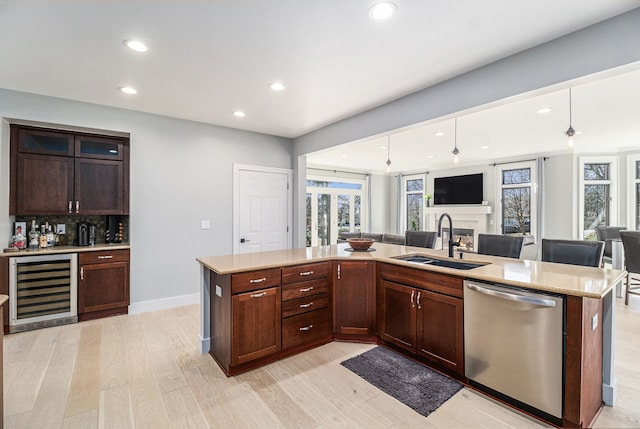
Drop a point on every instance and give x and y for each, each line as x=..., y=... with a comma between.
x=466, y=189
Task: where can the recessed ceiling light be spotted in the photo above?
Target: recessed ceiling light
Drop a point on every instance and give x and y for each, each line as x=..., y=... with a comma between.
x=344, y=156
x=276, y=86
x=484, y=147
x=128, y=90
x=440, y=133
x=430, y=156
x=382, y=147
x=239, y=114
x=382, y=11
x=136, y=45
x=544, y=110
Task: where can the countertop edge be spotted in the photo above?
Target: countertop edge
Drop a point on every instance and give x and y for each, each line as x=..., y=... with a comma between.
x=617, y=275
x=66, y=249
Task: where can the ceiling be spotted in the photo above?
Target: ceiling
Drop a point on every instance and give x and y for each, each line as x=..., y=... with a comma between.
x=605, y=112
x=207, y=59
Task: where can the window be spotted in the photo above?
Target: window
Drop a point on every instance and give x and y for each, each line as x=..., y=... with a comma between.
x=413, y=201
x=333, y=206
x=516, y=197
x=598, y=196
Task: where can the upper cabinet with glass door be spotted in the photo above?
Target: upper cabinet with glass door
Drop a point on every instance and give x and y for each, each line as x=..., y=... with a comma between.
x=57, y=172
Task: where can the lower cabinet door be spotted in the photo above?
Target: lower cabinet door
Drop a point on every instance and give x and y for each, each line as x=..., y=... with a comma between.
x=398, y=319
x=306, y=328
x=103, y=286
x=256, y=325
x=440, y=329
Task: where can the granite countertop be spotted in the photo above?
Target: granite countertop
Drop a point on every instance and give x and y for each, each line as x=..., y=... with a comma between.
x=66, y=249
x=574, y=280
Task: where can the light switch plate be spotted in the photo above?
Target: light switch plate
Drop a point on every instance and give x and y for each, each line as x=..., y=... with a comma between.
x=594, y=322
x=218, y=291
x=61, y=228
x=205, y=224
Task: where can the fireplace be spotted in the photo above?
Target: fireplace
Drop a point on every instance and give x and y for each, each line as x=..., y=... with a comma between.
x=468, y=222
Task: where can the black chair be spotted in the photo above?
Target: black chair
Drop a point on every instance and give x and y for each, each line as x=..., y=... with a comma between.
x=574, y=252
x=631, y=244
x=508, y=246
x=421, y=238
x=607, y=234
x=393, y=239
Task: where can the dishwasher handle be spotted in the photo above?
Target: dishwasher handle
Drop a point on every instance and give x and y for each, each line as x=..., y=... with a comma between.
x=487, y=290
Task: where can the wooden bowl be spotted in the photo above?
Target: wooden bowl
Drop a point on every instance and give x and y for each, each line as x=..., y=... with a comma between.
x=360, y=243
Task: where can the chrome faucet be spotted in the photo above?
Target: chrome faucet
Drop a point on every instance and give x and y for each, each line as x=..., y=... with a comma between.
x=452, y=243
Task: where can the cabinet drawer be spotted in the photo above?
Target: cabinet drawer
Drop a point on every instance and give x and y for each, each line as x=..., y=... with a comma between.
x=253, y=280
x=305, y=328
x=304, y=305
x=305, y=272
x=103, y=256
x=305, y=289
x=436, y=282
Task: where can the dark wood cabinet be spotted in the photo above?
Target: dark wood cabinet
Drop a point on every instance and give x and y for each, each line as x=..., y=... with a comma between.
x=255, y=325
x=416, y=315
x=103, y=283
x=306, y=305
x=398, y=315
x=355, y=297
x=43, y=184
x=440, y=329
x=57, y=172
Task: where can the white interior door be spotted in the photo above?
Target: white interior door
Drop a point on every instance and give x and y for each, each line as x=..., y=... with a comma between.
x=262, y=209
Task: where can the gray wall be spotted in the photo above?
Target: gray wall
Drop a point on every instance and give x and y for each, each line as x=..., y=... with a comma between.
x=181, y=173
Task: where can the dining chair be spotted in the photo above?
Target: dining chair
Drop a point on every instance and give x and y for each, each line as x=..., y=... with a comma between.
x=607, y=234
x=587, y=253
x=631, y=245
x=508, y=246
x=421, y=238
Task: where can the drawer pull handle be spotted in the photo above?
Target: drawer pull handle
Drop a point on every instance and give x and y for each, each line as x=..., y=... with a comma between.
x=413, y=294
x=264, y=279
x=306, y=273
x=307, y=328
x=258, y=295
x=81, y=273
x=105, y=256
x=419, y=301
x=70, y=206
x=306, y=305
x=306, y=289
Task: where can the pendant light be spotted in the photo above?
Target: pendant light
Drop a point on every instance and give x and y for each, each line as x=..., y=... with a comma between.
x=388, y=154
x=570, y=132
x=455, y=150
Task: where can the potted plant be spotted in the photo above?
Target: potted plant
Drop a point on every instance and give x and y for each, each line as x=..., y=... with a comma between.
x=427, y=200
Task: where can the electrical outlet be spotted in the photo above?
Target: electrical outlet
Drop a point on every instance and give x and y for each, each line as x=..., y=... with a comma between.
x=61, y=228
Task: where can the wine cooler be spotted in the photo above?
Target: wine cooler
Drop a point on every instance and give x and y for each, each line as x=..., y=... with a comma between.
x=43, y=291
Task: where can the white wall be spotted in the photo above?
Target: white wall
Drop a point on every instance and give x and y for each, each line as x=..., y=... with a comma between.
x=381, y=205
x=181, y=172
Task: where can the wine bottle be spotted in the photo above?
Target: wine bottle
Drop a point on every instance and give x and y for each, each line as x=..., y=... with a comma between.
x=43, y=237
x=33, y=236
x=50, y=236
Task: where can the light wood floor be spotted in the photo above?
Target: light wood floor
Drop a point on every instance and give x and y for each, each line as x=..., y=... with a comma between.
x=145, y=371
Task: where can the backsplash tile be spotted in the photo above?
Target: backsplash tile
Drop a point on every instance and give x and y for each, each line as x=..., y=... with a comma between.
x=71, y=222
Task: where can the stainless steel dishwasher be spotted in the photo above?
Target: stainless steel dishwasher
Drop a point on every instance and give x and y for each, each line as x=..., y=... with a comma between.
x=514, y=344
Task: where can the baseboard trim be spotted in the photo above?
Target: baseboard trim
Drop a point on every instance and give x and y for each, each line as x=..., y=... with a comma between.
x=163, y=303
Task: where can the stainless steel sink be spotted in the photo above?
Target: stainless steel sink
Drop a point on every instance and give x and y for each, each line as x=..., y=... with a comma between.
x=439, y=262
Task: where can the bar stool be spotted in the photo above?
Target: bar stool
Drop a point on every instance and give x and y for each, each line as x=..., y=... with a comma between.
x=631, y=244
x=574, y=252
x=420, y=238
x=508, y=246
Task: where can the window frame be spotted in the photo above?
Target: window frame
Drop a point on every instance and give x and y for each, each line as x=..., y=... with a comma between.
x=632, y=183
x=614, y=185
x=405, y=193
x=533, y=185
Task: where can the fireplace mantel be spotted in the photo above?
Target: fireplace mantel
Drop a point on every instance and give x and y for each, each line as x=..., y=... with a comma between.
x=475, y=210
x=475, y=217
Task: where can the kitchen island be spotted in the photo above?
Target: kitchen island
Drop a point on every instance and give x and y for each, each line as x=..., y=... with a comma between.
x=347, y=301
